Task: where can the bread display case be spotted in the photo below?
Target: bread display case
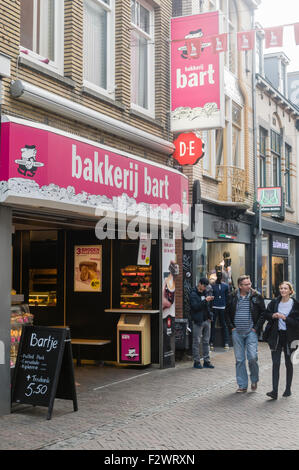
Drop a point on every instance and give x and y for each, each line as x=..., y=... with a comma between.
x=42, y=287
x=136, y=287
x=20, y=315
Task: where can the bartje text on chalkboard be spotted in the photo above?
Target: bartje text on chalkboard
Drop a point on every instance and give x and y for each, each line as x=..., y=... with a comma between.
x=44, y=368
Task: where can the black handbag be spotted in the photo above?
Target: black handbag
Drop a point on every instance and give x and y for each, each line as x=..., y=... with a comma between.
x=267, y=331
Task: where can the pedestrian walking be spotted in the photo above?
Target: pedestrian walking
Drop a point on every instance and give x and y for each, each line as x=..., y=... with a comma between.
x=220, y=294
x=281, y=330
x=201, y=316
x=244, y=317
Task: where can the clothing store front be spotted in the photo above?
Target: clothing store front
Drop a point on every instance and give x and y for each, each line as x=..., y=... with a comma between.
x=83, y=244
x=278, y=262
x=226, y=244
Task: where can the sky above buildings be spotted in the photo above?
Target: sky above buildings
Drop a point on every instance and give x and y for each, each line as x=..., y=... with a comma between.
x=276, y=13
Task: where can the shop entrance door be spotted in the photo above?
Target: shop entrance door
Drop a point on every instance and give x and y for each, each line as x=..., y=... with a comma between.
x=279, y=273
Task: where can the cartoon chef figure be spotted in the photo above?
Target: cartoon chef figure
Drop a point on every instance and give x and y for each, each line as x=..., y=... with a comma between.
x=196, y=36
x=28, y=164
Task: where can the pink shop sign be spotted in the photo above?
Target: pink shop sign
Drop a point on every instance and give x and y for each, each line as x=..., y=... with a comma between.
x=44, y=163
x=197, y=89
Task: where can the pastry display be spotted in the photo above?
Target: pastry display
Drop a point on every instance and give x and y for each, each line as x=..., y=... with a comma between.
x=20, y=315
x=136, y=287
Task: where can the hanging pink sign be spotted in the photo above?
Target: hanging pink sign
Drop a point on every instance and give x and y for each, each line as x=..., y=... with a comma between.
x=197, y=92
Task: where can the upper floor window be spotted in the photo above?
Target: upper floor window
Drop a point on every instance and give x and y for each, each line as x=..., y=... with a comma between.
x=262, y=157
x=98, y=46
x=236, y=135
x=41, y=31
x=229, y=15
x=142, y=57
x=287, y=174
x=276, y=158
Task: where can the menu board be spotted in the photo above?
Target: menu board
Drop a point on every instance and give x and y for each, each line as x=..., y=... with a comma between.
x=88, y=268
x=44, y=368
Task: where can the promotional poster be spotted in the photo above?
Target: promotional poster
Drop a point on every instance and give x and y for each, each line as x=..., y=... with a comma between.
x=88, y=268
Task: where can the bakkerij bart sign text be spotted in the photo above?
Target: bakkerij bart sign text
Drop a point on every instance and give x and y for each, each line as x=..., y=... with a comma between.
x=43, y=166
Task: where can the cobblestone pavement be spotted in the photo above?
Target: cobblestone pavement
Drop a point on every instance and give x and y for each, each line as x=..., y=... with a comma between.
x=181, y=408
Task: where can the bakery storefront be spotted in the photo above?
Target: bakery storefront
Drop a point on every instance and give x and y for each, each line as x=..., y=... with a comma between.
x=81, y=229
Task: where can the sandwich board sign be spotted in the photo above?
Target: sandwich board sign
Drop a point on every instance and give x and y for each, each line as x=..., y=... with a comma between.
x=44, y=368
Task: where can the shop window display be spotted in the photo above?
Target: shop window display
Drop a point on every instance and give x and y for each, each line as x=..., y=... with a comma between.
x=229, y=257
x=136, y=287
x=265, y=266
x=20, y=315
x=43, y=269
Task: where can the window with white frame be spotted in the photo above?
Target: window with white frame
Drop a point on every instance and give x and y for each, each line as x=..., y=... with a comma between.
x=41, y=32
x=276, y=158
x=287, y=173
x=236, y=135
x=263, y=135
x=206, y=137
x=98, y=45
x=142, y=57
x=228, y=13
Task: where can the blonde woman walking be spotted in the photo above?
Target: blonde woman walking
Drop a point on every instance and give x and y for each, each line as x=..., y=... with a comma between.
x=282, y=329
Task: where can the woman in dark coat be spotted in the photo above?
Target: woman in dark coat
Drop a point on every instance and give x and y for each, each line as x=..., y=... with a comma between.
x=282, y=329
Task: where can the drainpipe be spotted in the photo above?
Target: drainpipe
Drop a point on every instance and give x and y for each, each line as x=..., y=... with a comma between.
x=257, y=226
x=256, y=232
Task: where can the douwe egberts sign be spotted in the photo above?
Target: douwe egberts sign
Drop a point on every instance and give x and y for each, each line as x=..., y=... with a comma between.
x=197, y=89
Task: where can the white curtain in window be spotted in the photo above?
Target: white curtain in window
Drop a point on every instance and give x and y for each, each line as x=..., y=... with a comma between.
x=139, y=70
x=46, y=25
x=95, y=44
x=38, y=27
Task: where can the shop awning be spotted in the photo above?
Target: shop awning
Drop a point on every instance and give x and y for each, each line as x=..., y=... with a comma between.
x=43, y=167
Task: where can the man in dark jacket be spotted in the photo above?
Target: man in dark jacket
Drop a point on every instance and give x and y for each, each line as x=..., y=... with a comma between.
x=244, y=317
x=201, y=317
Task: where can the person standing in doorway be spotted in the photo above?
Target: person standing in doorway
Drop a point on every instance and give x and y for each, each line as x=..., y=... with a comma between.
x=201, y=316
x=281, y=330
x=220, y=294
x=244, y=317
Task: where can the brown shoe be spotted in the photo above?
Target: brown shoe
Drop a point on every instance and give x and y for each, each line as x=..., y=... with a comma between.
x=241, y=390
x=254, y=387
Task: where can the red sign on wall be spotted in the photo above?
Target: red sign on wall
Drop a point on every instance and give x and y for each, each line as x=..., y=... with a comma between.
x=189, y=149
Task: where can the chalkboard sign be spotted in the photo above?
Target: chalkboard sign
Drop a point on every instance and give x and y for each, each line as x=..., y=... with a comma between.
x=44, y=368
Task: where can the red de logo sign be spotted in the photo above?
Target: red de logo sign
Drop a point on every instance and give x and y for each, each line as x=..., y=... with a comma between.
x=189, y=149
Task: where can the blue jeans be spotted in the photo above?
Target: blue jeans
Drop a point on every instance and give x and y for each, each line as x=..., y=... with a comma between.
x=246, y=345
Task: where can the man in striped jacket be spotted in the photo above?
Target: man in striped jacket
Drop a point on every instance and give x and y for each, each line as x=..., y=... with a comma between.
x=244, y=317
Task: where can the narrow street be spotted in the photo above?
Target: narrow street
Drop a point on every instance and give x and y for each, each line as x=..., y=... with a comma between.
x=153, y=409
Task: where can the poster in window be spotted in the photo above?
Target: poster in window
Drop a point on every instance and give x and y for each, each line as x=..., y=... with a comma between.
x=88, y=268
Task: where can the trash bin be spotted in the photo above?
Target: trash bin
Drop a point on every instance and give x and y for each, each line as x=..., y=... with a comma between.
x=181, y=334
x=134, y=339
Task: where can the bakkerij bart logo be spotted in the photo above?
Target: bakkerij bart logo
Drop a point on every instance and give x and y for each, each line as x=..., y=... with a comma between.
x=27, y=163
